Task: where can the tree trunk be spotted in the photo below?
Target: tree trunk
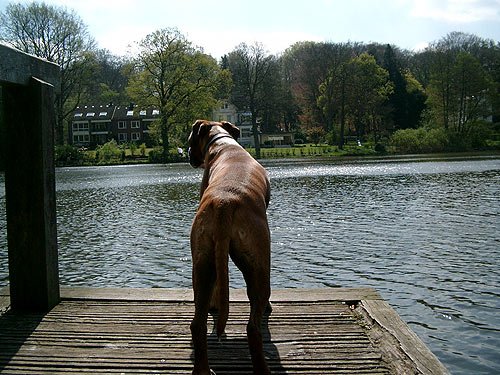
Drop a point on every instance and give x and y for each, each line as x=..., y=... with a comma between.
x=255, y=131
x=342, y=116
x=164, y=139
x=256, y=138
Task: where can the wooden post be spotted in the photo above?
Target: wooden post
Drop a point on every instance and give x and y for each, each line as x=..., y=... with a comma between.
x=28, y=119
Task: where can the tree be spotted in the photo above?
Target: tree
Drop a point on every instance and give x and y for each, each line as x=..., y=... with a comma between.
x=367, y=89
x=177, y=78
x=57, y=35
x=252, y=71
x=109, y=78
x=307, y=66
x=407, y=100
x=355, y=91
x=460, y=90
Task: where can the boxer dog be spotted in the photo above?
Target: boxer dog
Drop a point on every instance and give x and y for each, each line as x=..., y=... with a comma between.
x=231, y=221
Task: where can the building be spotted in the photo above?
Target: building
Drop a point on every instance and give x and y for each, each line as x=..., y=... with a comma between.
x=97, y=124
x=226, y=111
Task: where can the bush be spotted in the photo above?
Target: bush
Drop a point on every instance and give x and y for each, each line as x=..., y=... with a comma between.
x=68, y=155
x=108, y=152
x=156, y=155
x=380, y=148
x=421, y=140
x=142, y=149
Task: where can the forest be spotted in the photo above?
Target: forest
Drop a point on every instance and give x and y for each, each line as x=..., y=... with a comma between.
x=443, y=98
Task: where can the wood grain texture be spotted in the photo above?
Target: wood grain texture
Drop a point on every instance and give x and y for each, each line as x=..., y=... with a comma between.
x=115, y=333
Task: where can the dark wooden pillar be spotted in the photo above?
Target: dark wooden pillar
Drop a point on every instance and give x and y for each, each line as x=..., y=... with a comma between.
x=28, y=120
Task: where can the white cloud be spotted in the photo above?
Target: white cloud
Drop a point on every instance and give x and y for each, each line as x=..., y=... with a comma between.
x=457, y=11
x=218, y=42
x=420, y=46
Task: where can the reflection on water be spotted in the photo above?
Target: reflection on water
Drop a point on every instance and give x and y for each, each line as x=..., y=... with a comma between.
x=424, y=234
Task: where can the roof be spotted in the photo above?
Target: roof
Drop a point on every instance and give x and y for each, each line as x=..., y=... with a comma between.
x=128, y=112
x=113, y=112
x=93, y=113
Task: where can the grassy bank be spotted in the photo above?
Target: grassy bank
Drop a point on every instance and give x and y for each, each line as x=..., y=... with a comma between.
x=309, y=151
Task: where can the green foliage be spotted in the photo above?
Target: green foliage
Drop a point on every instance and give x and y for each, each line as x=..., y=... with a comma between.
x=68, y=155
x=108, y=153
x=461, y=90
x=156, y=155
x=315, y=134
x=133, y=148
x=355, y=92
x=421, y=140
x=256, y=83
x=177, y=78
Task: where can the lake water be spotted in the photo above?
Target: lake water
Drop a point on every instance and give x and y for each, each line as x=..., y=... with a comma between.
x=425, y=234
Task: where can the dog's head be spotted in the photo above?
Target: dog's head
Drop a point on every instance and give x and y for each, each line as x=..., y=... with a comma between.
x=201, y=134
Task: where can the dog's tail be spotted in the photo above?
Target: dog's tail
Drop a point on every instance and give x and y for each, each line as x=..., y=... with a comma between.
x=222, y=282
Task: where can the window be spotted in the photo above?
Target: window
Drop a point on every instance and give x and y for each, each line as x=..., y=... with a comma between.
x=99, y=127
x=103, y=114
x=156, y=112
x=122, y=125
x=135, y=136
x=134, y=124
x=91, y=114
x=80, y=138
x=78, y=114
x=143, y=112
x=122, y=137
x=80, y=126
x=130, y=113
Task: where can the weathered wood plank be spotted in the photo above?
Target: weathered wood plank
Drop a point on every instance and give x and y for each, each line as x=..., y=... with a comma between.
x=125, y=336
x=17, y=67
x=425, y=361
x=30, y=196
x=277, y=295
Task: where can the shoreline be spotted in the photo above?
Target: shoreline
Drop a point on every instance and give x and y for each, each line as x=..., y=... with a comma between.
x=490, y=154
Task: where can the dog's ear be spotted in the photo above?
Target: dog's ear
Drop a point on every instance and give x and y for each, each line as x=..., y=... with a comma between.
x=231, y=129
x=201, y=128
x=195, y=128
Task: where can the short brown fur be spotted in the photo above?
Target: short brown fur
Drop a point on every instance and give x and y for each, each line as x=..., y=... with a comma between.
x=231, y=221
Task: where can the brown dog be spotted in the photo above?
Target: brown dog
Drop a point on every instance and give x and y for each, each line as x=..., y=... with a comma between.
x=231, y=221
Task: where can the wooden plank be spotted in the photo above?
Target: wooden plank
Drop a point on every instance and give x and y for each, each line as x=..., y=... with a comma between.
x=237, y=295
x=124, y=336
x=113, y=335
x=30, y=196
x=17, y=67
x=425, y=361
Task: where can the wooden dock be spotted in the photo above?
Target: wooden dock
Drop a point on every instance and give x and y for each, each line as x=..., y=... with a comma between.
x=146, y=331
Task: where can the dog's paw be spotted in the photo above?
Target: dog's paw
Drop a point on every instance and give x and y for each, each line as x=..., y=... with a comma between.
x=269, y=308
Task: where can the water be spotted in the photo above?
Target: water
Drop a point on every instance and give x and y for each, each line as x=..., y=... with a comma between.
x=425, y=234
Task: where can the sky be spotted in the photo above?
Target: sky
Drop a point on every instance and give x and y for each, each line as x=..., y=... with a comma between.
x=218, y=26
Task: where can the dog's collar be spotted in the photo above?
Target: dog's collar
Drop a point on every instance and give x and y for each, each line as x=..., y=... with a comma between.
x=215, y=138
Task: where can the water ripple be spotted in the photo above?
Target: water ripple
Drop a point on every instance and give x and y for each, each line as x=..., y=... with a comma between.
x=424, y=234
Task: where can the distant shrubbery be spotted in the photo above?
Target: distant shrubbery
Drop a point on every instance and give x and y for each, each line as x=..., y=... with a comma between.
x=421, y=140
x=68, y=155
x=109, y=152
x=433, y=140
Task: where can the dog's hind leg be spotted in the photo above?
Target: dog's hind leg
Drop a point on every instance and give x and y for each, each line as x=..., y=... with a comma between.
x=258, y=290
x=203, y=284
x=256, y=273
